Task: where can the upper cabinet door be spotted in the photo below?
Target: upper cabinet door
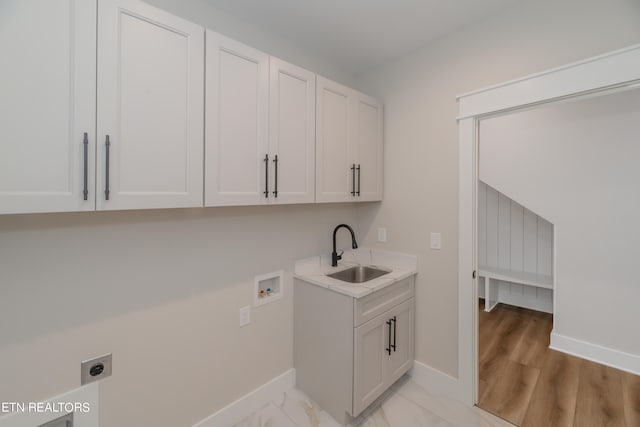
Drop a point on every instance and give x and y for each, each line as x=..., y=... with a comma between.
x=335, y=166
x=150, y=108
x=368, y=140
x=47, y=105
x=237, y=161
x=292, y=133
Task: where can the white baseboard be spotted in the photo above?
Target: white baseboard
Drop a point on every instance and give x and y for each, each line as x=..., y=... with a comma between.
x=436, y=381
x=596, y=353
x=251, y=402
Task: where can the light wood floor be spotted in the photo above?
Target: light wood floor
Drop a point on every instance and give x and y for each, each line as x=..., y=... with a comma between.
x=527, y=384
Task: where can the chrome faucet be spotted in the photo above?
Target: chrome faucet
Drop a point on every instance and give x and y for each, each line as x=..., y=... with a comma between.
x=334, y=255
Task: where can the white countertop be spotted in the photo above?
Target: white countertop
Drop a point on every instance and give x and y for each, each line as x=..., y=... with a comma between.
x=315, y=269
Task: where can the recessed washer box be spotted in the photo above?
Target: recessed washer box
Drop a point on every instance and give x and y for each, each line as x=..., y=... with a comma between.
x=268, y=288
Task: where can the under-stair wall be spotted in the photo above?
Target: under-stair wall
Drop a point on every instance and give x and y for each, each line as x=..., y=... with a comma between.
x=511, y=238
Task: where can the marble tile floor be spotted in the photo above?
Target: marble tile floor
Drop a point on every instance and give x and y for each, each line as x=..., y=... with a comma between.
x=405, y=404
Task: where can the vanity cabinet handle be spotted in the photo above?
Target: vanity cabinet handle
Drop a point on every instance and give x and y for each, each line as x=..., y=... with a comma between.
x=266, y=176
x=275, y=163
x=358, y=169
x=85, y=143
x=388, y=349
x=393, y=346
x=107, y=145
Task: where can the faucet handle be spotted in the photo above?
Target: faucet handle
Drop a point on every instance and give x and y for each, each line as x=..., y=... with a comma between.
x=335, y=257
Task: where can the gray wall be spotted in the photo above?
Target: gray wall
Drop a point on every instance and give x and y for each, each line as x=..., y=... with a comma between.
x=203, y=13
x=159, y=289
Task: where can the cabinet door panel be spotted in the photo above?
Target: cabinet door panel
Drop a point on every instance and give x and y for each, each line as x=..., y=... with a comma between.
x=292, y=131
x=237, y=113
x=369, y=148
x=333, y=134
x=150, y=103
x=47, y=104
x=371, y=339
x=401, y=359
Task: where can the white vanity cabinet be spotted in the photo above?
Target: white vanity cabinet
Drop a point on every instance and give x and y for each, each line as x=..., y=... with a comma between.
x=383, y=352
x=349, y=144
x=349, y=350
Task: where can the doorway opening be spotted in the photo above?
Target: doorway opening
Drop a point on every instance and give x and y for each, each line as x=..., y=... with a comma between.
x=556, y=188
x=614, y=70
x=515, y=301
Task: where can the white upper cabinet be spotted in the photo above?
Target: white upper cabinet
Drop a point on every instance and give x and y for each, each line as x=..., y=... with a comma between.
x=102, y=107
x=150, y=126
x=348, y=144
x=47, y=105
x=292, y=133
x=368, y=152
x=236, y=144
x=335, y=174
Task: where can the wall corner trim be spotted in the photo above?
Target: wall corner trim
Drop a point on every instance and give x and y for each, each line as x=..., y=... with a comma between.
x=250, y=402
x=436, y=381
x=596, y=353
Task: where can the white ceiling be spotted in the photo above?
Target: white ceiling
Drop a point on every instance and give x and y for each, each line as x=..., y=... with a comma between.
x=360, y=34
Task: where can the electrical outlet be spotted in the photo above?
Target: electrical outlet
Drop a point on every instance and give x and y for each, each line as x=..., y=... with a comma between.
x=436, y=241
x=95, y=369
x=382, y=234
x=245, y=316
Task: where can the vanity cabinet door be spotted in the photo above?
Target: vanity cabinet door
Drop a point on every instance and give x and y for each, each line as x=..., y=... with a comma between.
x=401, y=357
x=383, y=352
x=370, y=356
